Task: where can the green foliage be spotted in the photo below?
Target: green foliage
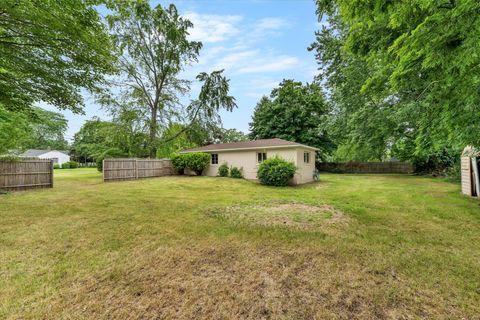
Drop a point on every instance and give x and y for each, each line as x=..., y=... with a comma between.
x=400, y=76
x=223, y=170
x=73, y=164
x=49, y=50
x=197, y=161
x=231, y=135
x=56, y=166
x=296, y=112
x=276, y=172
x=236, y=173
x=154, y=48
x=179, y=162
x=66, y=165
x=14, y=130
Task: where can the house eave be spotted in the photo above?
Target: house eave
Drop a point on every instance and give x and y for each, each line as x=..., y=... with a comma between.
x=253, y=148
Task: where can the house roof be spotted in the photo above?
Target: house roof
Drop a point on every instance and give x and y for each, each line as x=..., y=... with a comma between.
x=37, y=152
x=247, y=145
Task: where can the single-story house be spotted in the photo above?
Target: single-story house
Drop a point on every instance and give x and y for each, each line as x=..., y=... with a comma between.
x=249, y=154
x=58, y=157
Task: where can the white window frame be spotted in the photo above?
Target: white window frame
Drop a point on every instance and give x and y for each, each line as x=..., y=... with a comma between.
x=261, y=156
x=213, y=156
x=306, y=157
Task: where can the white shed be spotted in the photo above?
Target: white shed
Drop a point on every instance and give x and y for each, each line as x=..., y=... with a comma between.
x=58, y=157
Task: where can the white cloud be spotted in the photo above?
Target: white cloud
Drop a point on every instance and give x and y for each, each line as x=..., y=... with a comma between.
x=270, y=24
x=210, y=28
x=273, y=64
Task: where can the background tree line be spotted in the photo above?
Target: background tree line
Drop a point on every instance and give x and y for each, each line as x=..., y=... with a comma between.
x=399, y=80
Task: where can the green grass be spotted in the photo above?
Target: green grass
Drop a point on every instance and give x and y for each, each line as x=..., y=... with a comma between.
x=163, y=248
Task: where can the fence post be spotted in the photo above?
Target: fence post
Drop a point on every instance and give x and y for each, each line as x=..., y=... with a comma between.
x=136, y=169
x=51, y=173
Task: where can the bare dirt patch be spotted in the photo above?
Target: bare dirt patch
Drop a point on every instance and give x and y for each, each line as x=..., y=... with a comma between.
x=293, y=215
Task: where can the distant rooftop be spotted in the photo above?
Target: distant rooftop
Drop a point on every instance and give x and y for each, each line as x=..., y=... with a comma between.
x=245, y=145
x=38, y=152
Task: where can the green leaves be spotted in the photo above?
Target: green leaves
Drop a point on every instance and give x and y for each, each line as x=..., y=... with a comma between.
x=49, y=50
x=413, y=67
x=295, y=112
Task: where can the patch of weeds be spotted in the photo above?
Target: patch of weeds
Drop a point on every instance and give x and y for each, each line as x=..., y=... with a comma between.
x=291, y=215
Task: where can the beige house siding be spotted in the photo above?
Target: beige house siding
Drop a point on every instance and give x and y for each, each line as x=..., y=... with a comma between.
x=247, y=159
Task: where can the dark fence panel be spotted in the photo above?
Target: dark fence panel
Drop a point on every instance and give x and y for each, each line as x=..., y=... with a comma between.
x=26, y=174
x=366, y=167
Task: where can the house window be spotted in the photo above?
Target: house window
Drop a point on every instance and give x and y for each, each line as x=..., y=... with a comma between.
x=306, y=157
x=214, y=158
x=55, y=160
x=261, y=156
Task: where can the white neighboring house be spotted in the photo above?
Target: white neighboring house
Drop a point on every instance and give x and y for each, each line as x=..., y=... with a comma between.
x=58, y=157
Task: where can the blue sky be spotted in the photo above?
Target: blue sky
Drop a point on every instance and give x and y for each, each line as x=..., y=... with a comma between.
x=257, y=42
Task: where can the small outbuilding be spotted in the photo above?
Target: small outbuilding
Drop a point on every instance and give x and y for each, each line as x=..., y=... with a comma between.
x=249, y=154
x=470, y=171
x=58, y=157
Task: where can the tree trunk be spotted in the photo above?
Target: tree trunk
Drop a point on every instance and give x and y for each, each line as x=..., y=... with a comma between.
x=153, y=134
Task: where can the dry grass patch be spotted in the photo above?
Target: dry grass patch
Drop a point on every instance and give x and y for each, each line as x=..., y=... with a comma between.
x=293, y=215
x=243, y=281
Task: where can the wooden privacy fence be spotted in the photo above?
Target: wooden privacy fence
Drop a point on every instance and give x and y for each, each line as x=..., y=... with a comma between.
x=26, y=174
x=366, y=167
x=128, y=169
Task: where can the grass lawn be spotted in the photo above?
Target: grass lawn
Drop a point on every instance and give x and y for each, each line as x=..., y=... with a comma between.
x=350, y=246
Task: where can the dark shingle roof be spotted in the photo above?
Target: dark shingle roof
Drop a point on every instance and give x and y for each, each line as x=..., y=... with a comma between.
x=37, y=152
x=254, y=144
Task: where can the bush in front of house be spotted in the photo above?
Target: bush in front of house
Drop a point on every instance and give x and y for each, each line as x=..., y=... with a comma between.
x=179, y=163
x=56, y=166
x=66, y=165
x=276, y=172
x=197, y=161
x=236, y=173
x=223, y=170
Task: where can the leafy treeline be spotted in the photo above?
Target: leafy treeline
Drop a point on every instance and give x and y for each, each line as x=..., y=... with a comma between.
x=403, y=78
x=39, y=129
x=295, y=112
x=130, y=61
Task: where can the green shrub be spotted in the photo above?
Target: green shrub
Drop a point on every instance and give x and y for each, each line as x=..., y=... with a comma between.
x=236, y=173
x=56, y=166
x=223, y=170
x=66, y=165
x=73, y=164
x=179, y=162
x=197, y=162
x=276, y=172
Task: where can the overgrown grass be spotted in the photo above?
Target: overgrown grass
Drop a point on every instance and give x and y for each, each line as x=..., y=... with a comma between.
x=152, y=249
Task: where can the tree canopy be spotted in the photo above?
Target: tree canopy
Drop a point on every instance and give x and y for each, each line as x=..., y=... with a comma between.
x=296, y=112
x=49, y=51
x=404, y=76
x=154, y=49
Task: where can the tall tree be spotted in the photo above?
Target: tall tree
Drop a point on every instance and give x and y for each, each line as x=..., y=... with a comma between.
x=47, y=130
x=155, y=48
x=49, y=50
x=295, y=112
x=422, y=58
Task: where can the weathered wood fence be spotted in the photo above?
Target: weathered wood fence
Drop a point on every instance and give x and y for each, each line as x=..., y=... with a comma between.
x=128, y=169
x=26, y=174
x=366, y=167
